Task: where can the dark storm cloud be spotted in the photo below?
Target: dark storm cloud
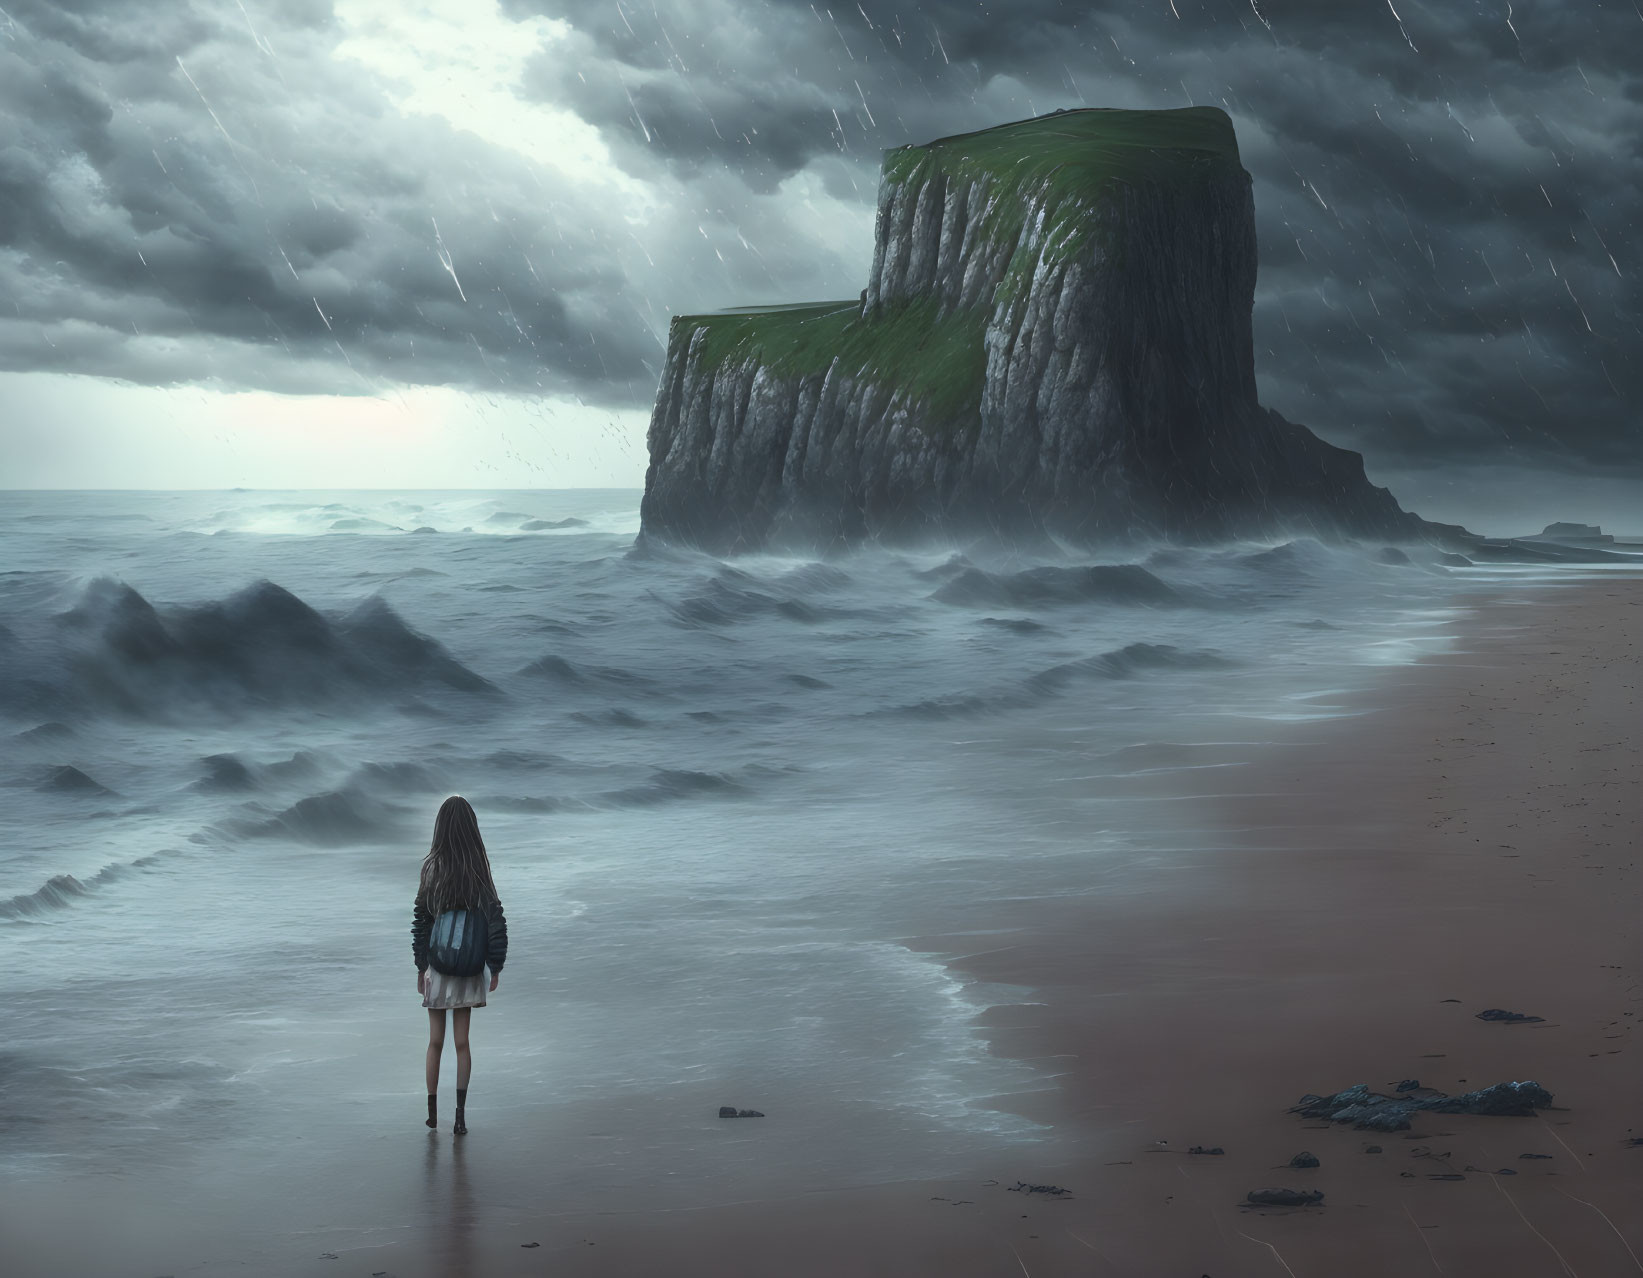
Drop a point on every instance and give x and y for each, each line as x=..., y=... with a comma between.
x=1447, y=194
x=196, y=193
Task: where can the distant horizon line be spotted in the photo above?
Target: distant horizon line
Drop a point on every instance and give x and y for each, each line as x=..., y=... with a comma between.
x=370, y=488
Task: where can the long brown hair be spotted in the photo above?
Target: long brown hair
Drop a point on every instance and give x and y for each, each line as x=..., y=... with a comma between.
x=456, y=873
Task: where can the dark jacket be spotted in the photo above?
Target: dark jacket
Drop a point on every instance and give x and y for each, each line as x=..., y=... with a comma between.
x=496, y=937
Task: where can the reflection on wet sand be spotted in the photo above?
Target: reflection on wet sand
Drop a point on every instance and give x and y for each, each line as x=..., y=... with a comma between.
x=448, y=1205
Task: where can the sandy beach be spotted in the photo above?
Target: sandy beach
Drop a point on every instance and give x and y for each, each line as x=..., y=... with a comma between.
x=1466, y=840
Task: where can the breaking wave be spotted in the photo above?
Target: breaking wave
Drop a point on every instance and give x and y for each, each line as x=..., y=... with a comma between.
x=335, y=818
x=63, y=890
x=262, y=646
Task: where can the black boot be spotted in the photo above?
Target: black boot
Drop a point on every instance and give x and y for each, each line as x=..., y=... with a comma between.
x=433, y=1110
x=460, y=1127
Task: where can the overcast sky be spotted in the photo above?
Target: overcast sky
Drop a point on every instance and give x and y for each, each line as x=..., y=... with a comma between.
x=437, y=242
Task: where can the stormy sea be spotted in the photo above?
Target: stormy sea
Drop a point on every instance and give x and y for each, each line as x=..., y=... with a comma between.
x=722, y=799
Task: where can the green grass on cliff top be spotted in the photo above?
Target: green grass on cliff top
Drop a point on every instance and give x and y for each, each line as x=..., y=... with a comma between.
x=1088, y=145
x=1067, y=162
x=938, y=360
x=934, y=359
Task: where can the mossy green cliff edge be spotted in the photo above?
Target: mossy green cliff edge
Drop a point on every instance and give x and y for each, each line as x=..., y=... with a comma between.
x=1055, y=338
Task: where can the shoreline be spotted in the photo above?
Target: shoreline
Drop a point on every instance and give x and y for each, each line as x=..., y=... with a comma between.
x=1198, y=1017
x=1470, y=833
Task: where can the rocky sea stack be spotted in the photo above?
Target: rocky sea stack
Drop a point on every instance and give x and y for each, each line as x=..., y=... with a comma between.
x=1055, y=339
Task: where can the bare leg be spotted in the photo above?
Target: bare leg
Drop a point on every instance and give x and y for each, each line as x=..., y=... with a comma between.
x=436, y=1045
x=460, y=1016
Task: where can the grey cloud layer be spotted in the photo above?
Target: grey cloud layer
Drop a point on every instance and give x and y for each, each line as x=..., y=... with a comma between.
x=1446, y=204
x=179, y=204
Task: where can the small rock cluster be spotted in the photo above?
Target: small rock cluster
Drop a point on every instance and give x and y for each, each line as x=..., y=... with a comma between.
x=1372, y=1111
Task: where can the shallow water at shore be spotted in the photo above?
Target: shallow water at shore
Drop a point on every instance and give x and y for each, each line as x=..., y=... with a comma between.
x=719, y=797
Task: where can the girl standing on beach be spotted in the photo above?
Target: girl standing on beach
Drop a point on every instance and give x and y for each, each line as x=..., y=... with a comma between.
x=457, y=922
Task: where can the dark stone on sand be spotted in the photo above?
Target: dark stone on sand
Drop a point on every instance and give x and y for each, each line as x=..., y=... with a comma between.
x=1285, y=1197
x=1511, y=1018
x=1373, y=1149
x=1304, y=1159
x=1534, y=1155
x=1199, y=1149
x=1505, y=1171
x=1054, y=1191
x=730, y=1111
x=530, y=1244
x=1445, y=1176
x=1371, y=1111
x=1408, y=1085
x=1503, y=1100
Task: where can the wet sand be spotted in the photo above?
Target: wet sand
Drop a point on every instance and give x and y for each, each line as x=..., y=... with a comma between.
x=1473, y=836
x=1468, y=840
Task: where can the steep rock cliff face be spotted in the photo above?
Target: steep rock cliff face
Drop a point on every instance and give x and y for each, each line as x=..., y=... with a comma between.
x=1055, y=338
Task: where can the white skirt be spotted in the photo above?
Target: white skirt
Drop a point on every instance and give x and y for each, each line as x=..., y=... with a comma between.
x=441, y=990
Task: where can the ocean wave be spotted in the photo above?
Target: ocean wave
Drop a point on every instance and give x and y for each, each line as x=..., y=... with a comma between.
x=664, y=785
x=609, y=719
x=1306, y=558
x=335, y=818
x=394, y=778
x=549, y=525
x=67, y=779
x=114, y=651
x=669, y=784
x=44, y=733
x=523, y=803
x=731, y=595
x=63, y=890
x=523, y=760
x=224, y=774
x=814, y=577
x=1050, y=585
x=948, y=567
x=232, y=774
x=1128, y=662
x=556, y=670
x=722, y=600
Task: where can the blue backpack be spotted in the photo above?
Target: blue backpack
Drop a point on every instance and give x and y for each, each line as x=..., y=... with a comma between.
x=459, y=943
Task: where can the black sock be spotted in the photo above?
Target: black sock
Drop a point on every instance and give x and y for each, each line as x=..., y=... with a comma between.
x=433, y=1110
x=461, y=1100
